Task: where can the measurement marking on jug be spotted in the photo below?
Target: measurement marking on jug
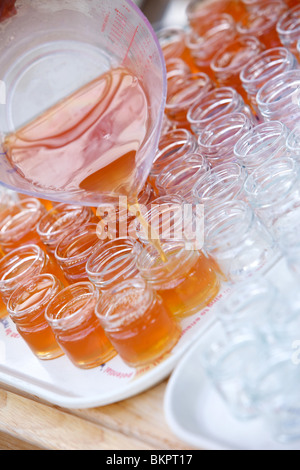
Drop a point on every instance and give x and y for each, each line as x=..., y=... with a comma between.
x=130, y=44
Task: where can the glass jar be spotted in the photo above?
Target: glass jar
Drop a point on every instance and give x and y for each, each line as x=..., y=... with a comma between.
x=262, y=68
x=218, y=102
x=249, y=307
x=71, y=315
x=137, y=322
x=288, y=29
x=173, y=43
x=186, y=280
x=18, y=224
x=218, y=138
x=264, y=142
x=221, y=184
x=182, y=92
x=273, y=190
x=278, y=99
x=172, y=147
x=206, y=38
x=180, y=178
x=262, y=22
x=238, y=241
x=228, y=63
x=113, y=263
x=61, y=220
x=230, y=365
x=26, y=307
x=74, y=250
x=171, y=219
x=23, y=263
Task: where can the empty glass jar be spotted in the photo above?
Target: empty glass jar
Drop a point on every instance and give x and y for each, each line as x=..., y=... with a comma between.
x=264, y=142
x=262, y=68
x=288, y=29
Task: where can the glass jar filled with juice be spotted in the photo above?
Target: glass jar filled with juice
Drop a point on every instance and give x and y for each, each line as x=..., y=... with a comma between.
x=137, y=322
x=27, y=306
x=71, y=315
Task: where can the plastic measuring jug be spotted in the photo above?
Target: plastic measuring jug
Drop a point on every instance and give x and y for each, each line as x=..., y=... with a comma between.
x=49, y=51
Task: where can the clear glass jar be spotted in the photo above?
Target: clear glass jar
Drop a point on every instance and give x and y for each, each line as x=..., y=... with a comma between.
x=278, y=99
x=218, y=138
x=218, y=102
x=21, y=264
x=206, y=38
x=262, y=68
x=228, y=63
x=171, y=219
x=26, y=307
x=273, y=190
x=238, y=241
x=262, y=22
x=182, y=92
x=137, y=322
x=74, y=250
x=62, y=219
x=113, y=262
x=221, y=184
x=179, y=179
x=173, y=147
x=18, y=224
x=249, y=307
x=288, y=29
x=264, y=142
x=230, y=364
x=186, y=280
x=71, y=315
x=173, y=43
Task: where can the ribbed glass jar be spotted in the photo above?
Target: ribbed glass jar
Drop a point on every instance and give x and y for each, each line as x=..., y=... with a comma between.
x=262, y=143
x=219, y=102
x=262, y=68
x=217, y=140
x=278, y=99
x=288, y=29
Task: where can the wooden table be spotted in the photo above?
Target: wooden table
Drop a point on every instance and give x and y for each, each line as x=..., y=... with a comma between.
x=138, y=423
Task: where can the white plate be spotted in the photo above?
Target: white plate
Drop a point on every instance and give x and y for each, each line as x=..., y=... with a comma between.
x=197, y=414
x=59, y=382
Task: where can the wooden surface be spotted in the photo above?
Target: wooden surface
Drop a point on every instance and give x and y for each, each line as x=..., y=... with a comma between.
x=134, y=424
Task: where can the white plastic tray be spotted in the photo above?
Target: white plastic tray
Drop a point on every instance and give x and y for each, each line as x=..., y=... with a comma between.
x=197, y=414
x=59, y=382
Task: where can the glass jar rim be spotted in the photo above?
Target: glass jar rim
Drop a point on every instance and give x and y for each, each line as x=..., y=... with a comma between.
x=24, y=287
x=11, y=257
x=234, y=173
x=103, y=266
x=262, y=12
x=138, y=307
x=235, y=68
x=276, y=91
x=75, y=237
x=204, y=85
x=281, y=28
x=282, y=167
x=201, y=111
x=154, y=269
x=46, y=223
x=238, y=122
x=237, y=210
x=276, y=56
x=32, y=205
x=293, y=140
x=262, y=133
x=73, y=317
